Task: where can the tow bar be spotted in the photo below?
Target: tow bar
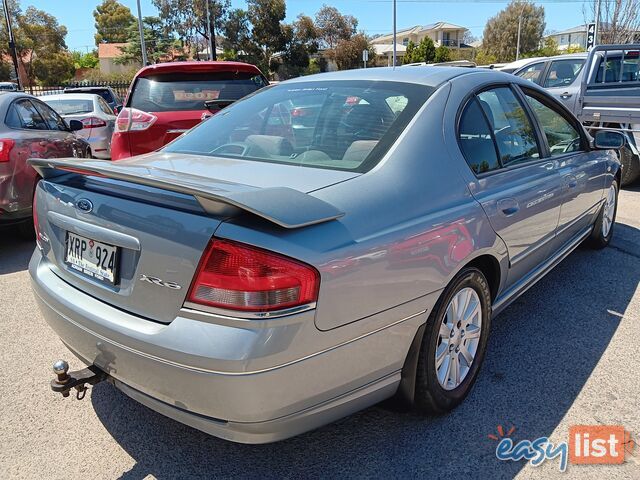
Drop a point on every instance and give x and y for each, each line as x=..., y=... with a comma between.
x=78, y=379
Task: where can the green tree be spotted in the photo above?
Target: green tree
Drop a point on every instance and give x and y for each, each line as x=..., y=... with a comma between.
x=112, y=22
x=84, y=60
x=348, y=53
x=443, y=54
x=425, y=51
x=158, y=42
x=267, y=32
x=548, y=49
x=333, y=27
x=409, y=53
x=187, y=19
x=501, y=32
x=237, y=32
x=54, y=69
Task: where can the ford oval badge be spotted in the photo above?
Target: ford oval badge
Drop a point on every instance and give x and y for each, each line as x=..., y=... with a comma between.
x=84, y=205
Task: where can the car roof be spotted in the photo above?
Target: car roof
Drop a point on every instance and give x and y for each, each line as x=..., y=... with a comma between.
x=424, y=76
x=180, y=67
x=69, y=96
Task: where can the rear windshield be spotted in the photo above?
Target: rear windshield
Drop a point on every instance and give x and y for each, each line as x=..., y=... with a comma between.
x=338, y=125
x=70, y=107
x=189, y=91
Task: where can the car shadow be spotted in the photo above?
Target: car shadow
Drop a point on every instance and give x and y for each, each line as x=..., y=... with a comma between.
x=543, y=349
x=15, y=251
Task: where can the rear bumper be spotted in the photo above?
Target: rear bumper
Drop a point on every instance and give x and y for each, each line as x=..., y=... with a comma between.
x=246, y=382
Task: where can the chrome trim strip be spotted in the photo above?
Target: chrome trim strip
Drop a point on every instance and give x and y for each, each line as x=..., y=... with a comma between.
x=217, y=372
x=190, y=307
x=530, y=280
x=178, y=130
x=92, y=231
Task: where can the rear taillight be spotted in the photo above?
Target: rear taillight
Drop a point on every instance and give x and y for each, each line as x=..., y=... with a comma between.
x=93, y=122
x=132, y=119
x=235, y=276
x=298, y=112
x=6, y=144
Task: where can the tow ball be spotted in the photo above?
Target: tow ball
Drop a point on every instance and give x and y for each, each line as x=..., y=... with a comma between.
x=79, y=379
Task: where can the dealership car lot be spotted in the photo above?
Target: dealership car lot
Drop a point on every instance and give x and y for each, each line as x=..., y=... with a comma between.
x=565, y=353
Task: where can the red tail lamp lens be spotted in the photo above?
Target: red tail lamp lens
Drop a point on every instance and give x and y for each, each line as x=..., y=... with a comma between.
x=235, y=276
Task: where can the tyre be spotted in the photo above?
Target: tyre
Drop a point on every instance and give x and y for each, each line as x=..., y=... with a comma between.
x=454, y=343
x=603, y=225
x=630, y=167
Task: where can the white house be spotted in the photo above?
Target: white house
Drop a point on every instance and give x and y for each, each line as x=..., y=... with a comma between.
x=575, y=37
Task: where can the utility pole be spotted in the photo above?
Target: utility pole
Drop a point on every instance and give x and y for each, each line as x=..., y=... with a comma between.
x=12, y=43
x=394, y=34
x=211, y=33
x=597, y=21
x=519, y=29
x=143, y=47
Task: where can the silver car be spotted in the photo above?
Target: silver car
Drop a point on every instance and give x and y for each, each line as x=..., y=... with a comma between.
x=97, y=117
x=255, y=283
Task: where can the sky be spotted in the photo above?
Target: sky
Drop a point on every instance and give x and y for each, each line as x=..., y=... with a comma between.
x=374, y=16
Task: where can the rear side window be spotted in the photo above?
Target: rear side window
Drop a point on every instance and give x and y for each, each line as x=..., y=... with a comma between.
x=563, y=72
x=70, y=107
x=476, y=140
x=189, y=91
x=338, y=125
x=532, y=72
x=513, y=131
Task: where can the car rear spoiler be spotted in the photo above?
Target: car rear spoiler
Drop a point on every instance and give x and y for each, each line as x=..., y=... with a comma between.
x=283, y=206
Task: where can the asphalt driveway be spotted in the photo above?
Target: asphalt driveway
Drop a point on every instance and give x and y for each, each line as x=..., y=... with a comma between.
x=565, y=353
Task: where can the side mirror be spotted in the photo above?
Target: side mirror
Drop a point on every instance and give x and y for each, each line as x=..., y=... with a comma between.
x=608, y=140
x=75, y=125
x=214, y=106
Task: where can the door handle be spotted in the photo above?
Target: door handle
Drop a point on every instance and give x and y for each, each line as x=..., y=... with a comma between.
x=566, y=95
x=570, y=181
x=508, y=206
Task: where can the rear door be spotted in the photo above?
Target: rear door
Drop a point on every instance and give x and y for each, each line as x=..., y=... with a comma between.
x=518, y=188
x=177, y=101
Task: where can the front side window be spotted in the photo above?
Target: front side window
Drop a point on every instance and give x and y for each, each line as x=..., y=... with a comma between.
x=563, y=72
x=340, y=125
x=562, y=137
x=513, y=132
x=532, y=72
x=53, y=120
x=169, y=92
x=27, y=116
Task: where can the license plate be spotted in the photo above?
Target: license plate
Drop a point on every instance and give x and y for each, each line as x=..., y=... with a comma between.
x=92, y=258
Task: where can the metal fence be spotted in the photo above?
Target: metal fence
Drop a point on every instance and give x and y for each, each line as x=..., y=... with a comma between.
x=119, y=87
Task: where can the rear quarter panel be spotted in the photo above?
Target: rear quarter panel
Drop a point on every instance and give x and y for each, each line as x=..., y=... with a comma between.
x=410, y=225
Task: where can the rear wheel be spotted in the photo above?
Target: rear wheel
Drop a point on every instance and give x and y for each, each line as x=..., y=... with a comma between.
x=603, y=226
x=454, y=343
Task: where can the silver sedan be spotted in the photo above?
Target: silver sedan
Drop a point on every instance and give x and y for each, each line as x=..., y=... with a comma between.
x=319, y=246
x=97, y=117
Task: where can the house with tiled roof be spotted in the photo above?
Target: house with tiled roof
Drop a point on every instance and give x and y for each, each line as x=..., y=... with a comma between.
x=107, y=54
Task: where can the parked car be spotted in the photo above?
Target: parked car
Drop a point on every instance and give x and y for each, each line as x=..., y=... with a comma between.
x=167, y=99
x=107, y=93
x=256, y=289
x=29, y=128
x=96, y=116
x=617, y=85
x=9, y=87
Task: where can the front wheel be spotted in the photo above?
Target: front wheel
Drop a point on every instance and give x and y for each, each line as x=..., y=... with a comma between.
x=454, y=343
x=603, y=226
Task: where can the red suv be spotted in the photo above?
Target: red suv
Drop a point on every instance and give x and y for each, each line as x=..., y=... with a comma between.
x=167, y=99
